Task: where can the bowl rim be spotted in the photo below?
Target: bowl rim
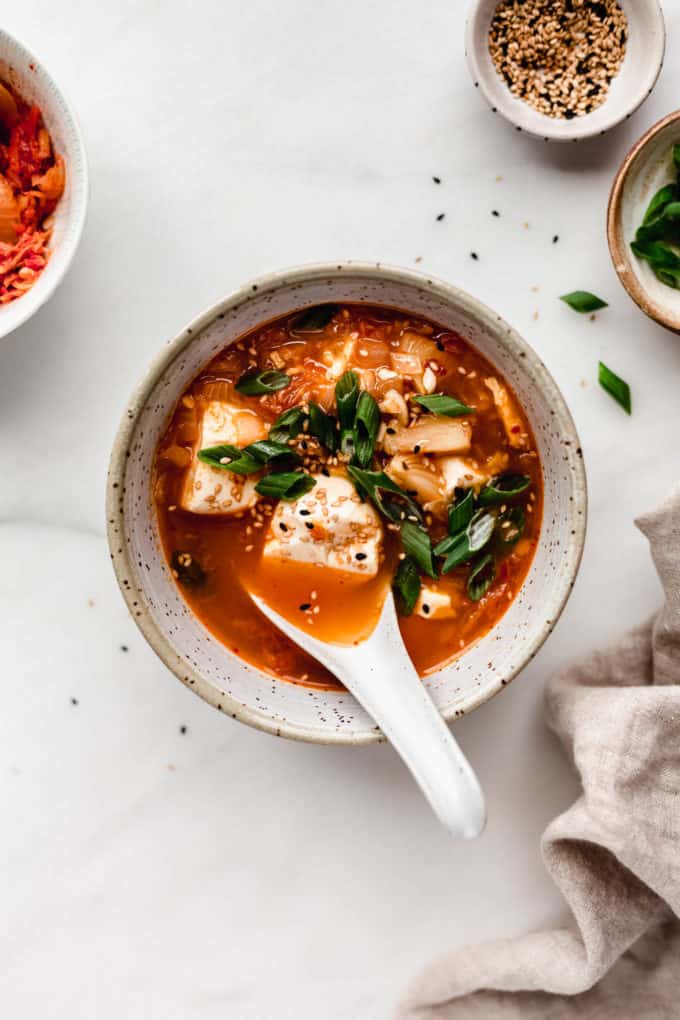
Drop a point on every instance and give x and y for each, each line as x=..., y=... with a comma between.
x=115, y=504
x=580, y=130
x=26, y=306
x=615, y=239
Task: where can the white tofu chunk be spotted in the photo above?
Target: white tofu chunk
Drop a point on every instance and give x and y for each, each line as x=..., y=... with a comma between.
x=208, y=490
x=329, y=526
x=434, y=605
x=459, y=473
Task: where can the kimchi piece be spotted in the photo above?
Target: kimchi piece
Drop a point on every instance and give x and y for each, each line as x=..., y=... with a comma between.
x=32, y=179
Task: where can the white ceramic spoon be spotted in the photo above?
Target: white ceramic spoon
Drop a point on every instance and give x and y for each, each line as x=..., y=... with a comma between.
x=381, y=676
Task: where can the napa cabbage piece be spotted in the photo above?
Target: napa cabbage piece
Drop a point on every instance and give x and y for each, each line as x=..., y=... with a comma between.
x=433, y=434
x=508, y=413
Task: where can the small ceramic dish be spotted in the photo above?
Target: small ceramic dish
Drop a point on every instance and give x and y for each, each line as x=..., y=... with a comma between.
x=30, y=79
x=206, y=665
x=646, y=168
x=630, y=88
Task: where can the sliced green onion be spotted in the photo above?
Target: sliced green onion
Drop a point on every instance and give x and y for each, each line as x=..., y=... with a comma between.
x=583, y=301
x=324, y=427
x=250, y=459
x=615, y=386
x=314, y=319
x=389, y=499
x=255, y=382
x=417, y=545
x=366, y=425
x=229, y=458
x=440, y=403
x=346, y=399
x=187, y=569
x=676, y=158
x=659, y=201
x=510, y=525
x=481, y=577
x=288, y=425
x=462, y=547
x=406, y=586
x=461, y=510
x=287, y=485
x=503, y=488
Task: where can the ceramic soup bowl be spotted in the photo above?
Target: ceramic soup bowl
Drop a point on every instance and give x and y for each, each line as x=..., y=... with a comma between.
x=208, y=667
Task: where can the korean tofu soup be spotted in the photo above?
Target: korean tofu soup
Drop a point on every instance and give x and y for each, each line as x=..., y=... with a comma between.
x=332, y=453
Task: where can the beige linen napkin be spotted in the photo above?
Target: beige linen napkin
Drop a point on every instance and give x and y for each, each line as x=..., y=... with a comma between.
x=615, y=854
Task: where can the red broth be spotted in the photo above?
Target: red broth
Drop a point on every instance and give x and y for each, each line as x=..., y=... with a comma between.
x=217, y=558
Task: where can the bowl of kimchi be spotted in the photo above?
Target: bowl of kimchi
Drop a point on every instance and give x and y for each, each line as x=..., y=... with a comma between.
x=43, y=184
x=317, y=437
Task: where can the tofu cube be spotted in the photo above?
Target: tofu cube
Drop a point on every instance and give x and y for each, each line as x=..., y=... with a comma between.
x=329, y=526
x=434, y=605
x=208, y=490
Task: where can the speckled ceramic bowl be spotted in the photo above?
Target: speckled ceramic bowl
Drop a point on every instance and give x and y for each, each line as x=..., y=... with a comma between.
x=209, y=668
x=646, y=168
x=26, y=74
x=629, y=89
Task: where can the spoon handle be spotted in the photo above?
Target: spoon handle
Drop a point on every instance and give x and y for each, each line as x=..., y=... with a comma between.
x=389, y=688
x=382, y=678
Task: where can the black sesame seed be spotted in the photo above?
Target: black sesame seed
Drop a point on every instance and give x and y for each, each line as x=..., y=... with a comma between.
x=305, y=606
x=474, y=255
x=360, y=556
x=416, y=448
x=74, y=701
x=305, y=513
x=437, y=180
x=390, y=431
x=426, y=608
x=440, y=217
x=556, y=238
x=309, y=524
x=182, y=729
x=124, y=648
x=495, y=212
x=284, y=527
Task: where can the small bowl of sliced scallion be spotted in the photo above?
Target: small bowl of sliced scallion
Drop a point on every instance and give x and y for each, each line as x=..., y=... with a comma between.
x=643, y=222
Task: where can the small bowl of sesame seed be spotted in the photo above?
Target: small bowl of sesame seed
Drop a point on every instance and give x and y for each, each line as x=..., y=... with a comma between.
x=565, y=70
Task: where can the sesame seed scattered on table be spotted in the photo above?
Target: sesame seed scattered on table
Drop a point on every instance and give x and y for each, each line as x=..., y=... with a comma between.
x=559, y=56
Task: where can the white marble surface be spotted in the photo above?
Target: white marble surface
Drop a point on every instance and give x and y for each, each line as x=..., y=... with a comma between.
x=220, y=873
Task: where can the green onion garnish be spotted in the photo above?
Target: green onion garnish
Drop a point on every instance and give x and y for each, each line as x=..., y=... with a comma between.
x=255, y=383
x=503, y=488
x=250, y=459
x=314, y=319
x=440, y=403
x=287, y=485
x=389, y=499
x=366, y=425
x=406, y=586
x=481, y=577
x=461, y=510
x=583, y=301
x=461, y=547
x=417, y=545
x=615, y=386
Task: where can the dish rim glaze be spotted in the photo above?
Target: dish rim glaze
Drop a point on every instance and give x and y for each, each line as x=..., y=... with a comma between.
x=119, y=528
